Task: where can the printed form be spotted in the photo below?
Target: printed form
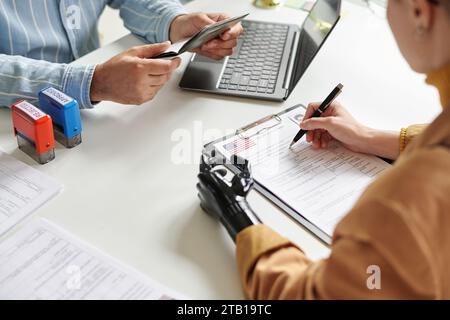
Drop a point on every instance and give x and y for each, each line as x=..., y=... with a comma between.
x=42, y=261
x=22, y=191
x=321, y=185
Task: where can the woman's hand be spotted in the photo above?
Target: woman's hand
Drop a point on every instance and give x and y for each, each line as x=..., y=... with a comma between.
x=336, y=123
x=188, y=25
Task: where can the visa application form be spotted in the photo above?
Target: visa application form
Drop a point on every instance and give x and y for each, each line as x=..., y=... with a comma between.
x=22, y=191
x=43, y=261
x=321, y=185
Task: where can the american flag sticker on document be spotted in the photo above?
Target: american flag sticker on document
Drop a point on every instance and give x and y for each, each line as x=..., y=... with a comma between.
x=239, y=145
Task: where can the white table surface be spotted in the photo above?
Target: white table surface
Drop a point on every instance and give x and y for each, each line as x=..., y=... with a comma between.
x=125, y=195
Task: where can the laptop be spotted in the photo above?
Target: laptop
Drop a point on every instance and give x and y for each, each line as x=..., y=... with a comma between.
x=269, y=60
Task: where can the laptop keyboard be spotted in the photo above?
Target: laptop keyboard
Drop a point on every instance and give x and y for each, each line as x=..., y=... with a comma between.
x=255, y=65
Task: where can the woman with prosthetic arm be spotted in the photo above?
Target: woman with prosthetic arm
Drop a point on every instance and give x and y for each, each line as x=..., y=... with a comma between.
x=400, y=223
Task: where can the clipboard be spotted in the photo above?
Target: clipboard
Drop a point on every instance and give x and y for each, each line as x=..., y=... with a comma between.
x=272, y=121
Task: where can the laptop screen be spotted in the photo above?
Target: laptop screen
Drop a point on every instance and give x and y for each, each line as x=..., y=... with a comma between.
x=316, y=28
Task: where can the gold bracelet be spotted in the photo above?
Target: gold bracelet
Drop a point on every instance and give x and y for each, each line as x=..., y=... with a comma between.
x=403, y=132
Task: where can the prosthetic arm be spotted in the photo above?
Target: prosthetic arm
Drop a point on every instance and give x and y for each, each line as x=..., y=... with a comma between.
x=223, y=193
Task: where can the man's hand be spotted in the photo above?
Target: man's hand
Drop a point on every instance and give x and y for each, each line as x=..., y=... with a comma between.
x=186, y=26
x=131, y=78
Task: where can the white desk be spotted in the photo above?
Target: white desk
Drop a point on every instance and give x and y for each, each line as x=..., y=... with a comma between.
x=125, y=195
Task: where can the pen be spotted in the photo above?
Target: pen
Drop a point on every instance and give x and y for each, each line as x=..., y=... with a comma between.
x=323, y=107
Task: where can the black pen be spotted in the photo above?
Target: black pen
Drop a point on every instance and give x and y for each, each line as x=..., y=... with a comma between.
x=323, y=107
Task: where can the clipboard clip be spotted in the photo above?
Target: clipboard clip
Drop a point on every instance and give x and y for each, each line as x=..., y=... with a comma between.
x=242, y=132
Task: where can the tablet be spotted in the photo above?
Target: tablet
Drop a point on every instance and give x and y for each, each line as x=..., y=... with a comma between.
x=206, y=34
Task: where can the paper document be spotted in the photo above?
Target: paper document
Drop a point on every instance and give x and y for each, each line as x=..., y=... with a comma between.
x=321, y=185
x=22, y=190
x=43, y=261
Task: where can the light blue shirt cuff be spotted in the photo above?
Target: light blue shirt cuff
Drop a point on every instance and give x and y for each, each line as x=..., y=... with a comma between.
x=163, y=27
x=76, y=83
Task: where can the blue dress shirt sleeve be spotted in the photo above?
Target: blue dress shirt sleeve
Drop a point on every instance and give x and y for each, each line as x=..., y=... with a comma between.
x=149, y=19
x=23, y=78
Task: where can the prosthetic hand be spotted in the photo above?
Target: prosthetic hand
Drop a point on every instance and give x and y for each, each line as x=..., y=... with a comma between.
x=223, y=194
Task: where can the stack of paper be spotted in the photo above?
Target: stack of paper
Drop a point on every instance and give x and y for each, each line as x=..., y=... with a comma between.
x=22, y=191
x=43, y=261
